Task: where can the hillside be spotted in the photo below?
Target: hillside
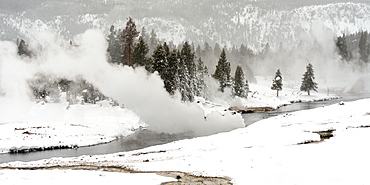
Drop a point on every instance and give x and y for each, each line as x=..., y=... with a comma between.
x=232, y=23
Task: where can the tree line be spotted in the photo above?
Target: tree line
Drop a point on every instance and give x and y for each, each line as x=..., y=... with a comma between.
x=354, y=46
x=180, y=67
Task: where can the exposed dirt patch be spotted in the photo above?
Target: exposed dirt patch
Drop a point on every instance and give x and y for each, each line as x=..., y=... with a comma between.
x=182, y=178
x=245, y=110
x=144, y=153
x=327, y=134
x=362, y=126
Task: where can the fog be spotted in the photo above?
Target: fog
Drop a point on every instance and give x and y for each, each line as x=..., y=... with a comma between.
x=316, y=46
x=138, y=91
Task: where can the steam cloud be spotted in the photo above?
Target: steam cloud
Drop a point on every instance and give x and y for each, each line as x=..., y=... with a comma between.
x=318, y=48
x=138, y=91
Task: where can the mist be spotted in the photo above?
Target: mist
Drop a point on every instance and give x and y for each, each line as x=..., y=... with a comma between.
x=134, y=88
x=315, y=46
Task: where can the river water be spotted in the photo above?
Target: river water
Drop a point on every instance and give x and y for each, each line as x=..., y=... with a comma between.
x=146, y=138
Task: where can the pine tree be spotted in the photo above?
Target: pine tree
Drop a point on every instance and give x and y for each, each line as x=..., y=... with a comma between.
x=183, y=82
x=110, y=39
x=222, y=72
x=239, y=86
x=166, y=48
x=277, y=82
x=170, y=74
x=187, y=73
x=139, y=55
x=159, y=60
x=115, y=46
x=308, y=82
x=342, y=47
x=201, y=74
x=128, y=38
x=364, y=53
x=144, y=35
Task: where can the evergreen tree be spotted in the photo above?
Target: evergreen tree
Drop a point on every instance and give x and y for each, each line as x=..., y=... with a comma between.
x=222, y=72
x=364, y=52
x=202, y=72
x=170, y=74
x=277, y=82
x=187, y=73
x=159, y=60
x=166, y=48
x=139, y=55
x=308, y=82
x=239, y=86
x=128, y=38
x=144, y=35
x=342, y=47
x=115, y=45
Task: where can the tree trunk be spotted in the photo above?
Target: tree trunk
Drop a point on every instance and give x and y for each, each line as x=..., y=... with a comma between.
x=308, y=93
x=277, y=93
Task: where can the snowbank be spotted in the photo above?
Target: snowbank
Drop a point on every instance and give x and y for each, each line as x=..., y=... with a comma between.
x=267, y=152
x=59, y=125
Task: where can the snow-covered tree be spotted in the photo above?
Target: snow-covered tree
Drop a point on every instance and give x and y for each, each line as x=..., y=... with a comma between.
x=159, y=60
x=222, y=72
x=139, y=55
x=170, y=74
x=308, y=82
x=201, y=74
x=239, y=86
x=187, y=73
x=277, y=82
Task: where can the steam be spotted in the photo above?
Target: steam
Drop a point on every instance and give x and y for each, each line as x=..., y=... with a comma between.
x=138, y=91
x=317, y=46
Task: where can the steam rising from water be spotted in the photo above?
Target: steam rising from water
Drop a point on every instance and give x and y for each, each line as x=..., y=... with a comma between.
x=318, y=48
x=138, y=91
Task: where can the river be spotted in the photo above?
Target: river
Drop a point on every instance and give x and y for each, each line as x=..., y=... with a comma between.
x=146, y=138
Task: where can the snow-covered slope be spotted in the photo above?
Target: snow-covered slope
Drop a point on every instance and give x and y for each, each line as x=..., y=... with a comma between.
x=231, y=23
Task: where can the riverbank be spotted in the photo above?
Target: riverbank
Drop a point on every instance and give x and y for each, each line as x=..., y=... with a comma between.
x=48, y=126
x=271, y=151
x=31, y=127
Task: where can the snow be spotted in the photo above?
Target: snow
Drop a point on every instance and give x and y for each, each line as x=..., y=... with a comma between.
x=46, y=125
x=27, y=125
x=261, y=95
x=15, y=177
x=267, y=152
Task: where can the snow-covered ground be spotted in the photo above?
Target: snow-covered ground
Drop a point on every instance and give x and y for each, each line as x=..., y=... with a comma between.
x=11, y=177
x=261, y=95
x=30, y=125
x=267, y=152
x=27, y=125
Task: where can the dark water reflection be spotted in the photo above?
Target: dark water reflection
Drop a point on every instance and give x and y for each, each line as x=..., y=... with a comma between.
x=146, y=138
